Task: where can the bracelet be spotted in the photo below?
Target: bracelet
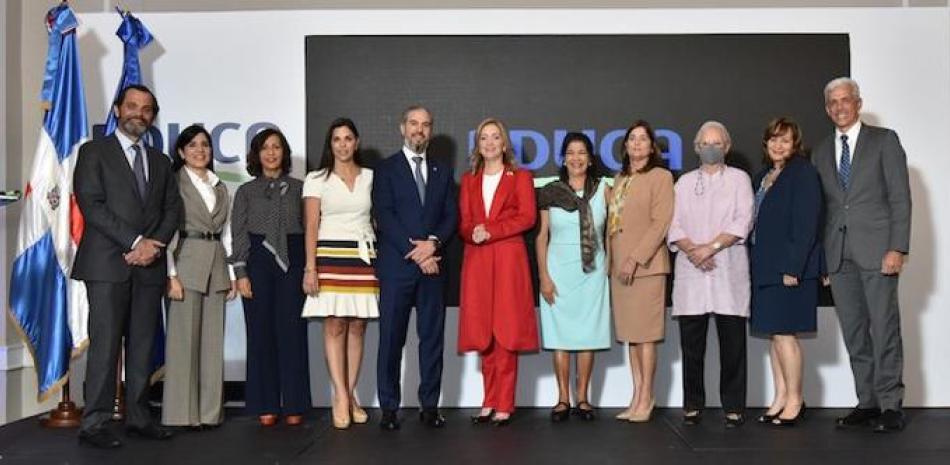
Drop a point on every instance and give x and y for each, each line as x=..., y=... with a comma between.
x=310, y=270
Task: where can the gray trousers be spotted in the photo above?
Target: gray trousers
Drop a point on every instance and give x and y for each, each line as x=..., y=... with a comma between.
x=194, y=361
x=869, y=313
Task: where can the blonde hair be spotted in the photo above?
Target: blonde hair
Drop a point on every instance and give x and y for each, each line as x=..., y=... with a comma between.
x=507, y=155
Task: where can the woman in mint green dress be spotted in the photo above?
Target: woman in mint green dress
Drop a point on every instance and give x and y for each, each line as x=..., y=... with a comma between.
x=575, y=299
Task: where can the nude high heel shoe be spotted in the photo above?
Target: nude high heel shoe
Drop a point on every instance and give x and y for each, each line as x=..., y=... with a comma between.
x=340, y=420
x=643, y=417
x=357, y=413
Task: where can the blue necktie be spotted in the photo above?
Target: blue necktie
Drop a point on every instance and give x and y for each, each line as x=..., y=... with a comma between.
x=138, y=168
x=844, y=167
x=420, y=181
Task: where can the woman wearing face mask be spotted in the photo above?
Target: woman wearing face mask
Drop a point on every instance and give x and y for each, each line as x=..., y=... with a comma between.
x=641, y=208
x=199, y=281
x=572, y=270
x=787, y=261
x=711, y=219
x=268, y=259
x=496, y=312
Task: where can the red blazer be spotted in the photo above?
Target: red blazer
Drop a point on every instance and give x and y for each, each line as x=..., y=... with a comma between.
x=497, y=295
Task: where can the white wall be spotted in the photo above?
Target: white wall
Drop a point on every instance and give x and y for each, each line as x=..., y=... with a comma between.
x=3, y=218
x=247, y=67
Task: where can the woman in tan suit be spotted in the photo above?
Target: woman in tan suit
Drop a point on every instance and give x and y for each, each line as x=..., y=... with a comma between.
x=198, y=283
x=641, y=209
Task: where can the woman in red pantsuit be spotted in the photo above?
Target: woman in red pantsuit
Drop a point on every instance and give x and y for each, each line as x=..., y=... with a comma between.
x=496, y=316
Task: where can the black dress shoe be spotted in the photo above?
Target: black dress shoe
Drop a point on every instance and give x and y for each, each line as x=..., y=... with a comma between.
x=100, y=438
x=858, y=418
x=480, y=419
x=495, y=421
x=891, y=421
x=150, y=431
x=693, y=417
x=432, y=418
x=734, y=420
x=389, y=421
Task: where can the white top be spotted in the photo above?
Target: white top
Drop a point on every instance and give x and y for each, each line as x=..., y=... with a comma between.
x=210, y=197
x=489, y=186
x=412, y=165
x=852, y=134
x=344, y=215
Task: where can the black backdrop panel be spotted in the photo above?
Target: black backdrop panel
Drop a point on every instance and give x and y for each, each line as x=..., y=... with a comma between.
x=544, y=86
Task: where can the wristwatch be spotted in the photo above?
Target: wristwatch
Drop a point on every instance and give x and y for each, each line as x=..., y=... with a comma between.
x=434, y=238
x=717, y=246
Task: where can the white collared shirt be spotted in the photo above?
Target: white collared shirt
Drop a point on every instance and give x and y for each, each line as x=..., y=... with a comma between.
x=205, y=187
x=412, y=164
x=210, y=198
x=852, y=134
x=127, y=144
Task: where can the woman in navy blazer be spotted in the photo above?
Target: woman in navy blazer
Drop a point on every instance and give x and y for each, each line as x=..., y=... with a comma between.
x=786, y=263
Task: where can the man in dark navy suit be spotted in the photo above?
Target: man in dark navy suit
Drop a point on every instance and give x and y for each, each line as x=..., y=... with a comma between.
x=131, y=207
x=416, y=214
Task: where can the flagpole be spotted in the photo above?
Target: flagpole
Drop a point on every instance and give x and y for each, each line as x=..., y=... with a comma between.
x=65, y=415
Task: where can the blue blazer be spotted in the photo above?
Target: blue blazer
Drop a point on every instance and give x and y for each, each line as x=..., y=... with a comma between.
x=786, y=226
x=400, y=215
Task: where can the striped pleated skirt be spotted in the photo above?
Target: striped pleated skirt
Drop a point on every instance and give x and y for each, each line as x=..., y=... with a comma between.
x=348, y=285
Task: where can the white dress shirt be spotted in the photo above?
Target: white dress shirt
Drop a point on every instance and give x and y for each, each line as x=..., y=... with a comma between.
x=412, y=164
x=852, y=134
x=127, y=144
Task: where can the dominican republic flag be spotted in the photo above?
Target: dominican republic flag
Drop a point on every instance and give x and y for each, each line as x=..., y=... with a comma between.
x=50, y=309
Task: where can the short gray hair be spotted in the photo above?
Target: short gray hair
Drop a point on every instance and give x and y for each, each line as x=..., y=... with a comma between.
x=412, y=108
x=843, y=81
x=713, y=124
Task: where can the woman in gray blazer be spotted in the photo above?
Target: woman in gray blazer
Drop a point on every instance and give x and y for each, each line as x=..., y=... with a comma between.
x=199, y=281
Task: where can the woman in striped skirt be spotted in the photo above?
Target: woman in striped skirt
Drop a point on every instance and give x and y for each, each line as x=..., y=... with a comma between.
x=339, y=278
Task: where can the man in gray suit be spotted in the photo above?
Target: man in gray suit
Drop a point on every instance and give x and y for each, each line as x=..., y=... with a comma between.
x=863, y=172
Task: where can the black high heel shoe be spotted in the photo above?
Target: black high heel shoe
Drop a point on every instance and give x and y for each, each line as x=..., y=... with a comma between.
x=584, y=410
x=766, y=419
x=495, y=421
x=479, y=419
x=777, y=421
x=558, y=416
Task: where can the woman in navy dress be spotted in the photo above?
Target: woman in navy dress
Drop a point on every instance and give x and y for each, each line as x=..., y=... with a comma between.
x=786, y=262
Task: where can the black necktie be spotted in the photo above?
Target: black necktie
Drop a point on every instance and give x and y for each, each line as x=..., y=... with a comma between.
x=138, y=168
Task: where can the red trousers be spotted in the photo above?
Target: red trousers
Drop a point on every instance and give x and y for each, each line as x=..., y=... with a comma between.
x=500, y=374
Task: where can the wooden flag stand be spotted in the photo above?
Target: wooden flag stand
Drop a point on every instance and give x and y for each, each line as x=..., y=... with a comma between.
x=65, y=415
x=118, y=405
